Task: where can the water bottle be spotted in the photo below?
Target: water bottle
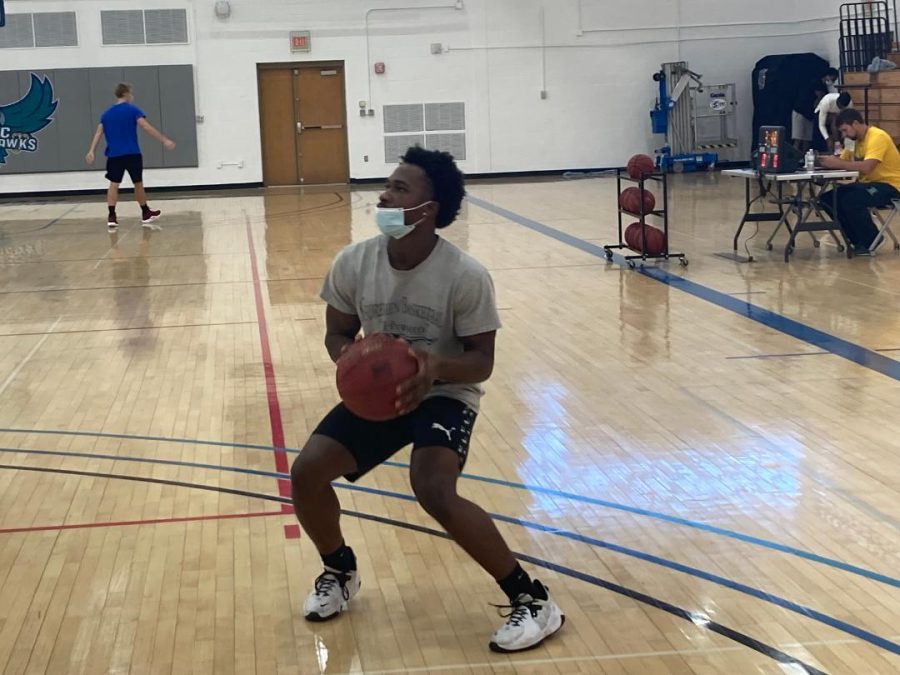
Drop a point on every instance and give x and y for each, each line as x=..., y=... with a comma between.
x=810, y=160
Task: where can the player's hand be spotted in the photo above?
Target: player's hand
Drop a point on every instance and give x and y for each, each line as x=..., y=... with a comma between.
x=829, y=162
x=169, y=144
x=412, y=392
x=350, y=344
x=89, y=158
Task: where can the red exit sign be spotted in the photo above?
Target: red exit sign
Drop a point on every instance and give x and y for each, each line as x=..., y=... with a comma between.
x=300, y=41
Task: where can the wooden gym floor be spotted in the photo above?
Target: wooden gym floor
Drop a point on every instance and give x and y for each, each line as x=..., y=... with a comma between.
x=706, y=473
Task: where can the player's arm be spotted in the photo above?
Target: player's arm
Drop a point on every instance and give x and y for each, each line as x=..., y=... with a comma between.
x=340, y=331
x=152, y=131
x=823, y=121
x=89, y=157
x=474, y=365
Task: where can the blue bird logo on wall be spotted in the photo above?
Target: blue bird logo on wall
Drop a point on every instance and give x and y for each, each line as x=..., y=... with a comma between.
x=20, y=120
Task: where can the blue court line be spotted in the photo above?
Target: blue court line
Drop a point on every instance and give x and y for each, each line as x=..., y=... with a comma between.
x=839, y=347
x=794, y=607
x=712, y=529
x=679, y=612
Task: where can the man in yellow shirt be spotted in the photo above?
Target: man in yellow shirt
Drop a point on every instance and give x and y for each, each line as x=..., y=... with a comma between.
x=876, y=158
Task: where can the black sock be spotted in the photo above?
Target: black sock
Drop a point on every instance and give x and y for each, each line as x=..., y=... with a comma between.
x=112, y=210
x=518, y=582
x=144, y=208
x=343, y=559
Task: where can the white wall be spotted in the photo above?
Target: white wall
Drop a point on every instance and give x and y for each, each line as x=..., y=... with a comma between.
x=596, y=68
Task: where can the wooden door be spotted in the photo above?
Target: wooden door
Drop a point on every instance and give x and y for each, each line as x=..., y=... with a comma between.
x=303, y=121
x=321, y=118
x=279, y=135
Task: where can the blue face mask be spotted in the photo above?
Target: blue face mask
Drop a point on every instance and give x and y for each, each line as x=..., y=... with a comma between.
x=392, y=222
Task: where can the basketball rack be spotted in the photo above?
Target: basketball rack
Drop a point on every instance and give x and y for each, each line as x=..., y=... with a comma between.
x=660, y=177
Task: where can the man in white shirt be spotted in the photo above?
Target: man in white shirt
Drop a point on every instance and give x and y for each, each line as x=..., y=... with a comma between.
x=831, y=104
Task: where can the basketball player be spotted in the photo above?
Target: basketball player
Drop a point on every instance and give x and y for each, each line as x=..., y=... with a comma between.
x=412, y=283
x=123, y=153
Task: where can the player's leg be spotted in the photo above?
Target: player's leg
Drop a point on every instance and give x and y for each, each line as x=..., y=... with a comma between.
x=317, y=508
x=115, y=171
x=136, y=171
x=801, y=131
x=316, y=505
x=442, y=428
x=342, y=445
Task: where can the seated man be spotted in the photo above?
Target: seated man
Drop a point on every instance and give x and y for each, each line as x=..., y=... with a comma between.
x=876, y=158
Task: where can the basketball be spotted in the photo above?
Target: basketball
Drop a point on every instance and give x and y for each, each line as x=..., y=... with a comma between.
x=630, y=200
x=654, y=240
x=640, y=166
x=369, y=372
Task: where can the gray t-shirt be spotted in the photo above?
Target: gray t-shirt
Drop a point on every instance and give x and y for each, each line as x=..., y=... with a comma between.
x=448, y=296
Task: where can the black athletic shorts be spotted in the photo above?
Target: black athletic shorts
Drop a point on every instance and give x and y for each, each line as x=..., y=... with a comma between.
x=117, y=166
x=438, y=421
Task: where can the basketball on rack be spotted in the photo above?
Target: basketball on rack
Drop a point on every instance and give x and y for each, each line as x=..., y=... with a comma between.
x=369, y=372
x=654, y=239
x=630, y=200
x=640, y=166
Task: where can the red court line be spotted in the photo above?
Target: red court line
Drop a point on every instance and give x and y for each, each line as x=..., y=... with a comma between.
x=281, y=461
x=150, y=521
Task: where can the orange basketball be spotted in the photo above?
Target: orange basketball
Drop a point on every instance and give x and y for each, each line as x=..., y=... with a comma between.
x=630, y=200
x=654, y=239
x=640, y=166
x=368, y=374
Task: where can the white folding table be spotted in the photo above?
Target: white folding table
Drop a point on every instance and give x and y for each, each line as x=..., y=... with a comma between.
x=803, y=204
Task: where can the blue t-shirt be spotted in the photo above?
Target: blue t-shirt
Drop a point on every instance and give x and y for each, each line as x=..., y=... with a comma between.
x=120, y=126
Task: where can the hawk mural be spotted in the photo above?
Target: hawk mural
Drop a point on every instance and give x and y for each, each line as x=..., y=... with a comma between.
x=25, y=117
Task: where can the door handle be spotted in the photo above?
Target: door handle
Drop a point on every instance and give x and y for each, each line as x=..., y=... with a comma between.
x=319, y=126
x=299, y=127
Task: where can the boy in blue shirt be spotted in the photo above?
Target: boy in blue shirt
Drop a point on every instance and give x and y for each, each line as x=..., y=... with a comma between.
x=119, y=124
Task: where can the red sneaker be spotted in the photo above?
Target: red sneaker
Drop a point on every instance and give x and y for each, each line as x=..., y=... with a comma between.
x=149, y=216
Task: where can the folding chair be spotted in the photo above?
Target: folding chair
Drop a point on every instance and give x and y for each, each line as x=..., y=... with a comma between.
x=885, y=225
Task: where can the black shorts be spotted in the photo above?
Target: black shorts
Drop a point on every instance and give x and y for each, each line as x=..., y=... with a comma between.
x=438, y=421
x=117, y=166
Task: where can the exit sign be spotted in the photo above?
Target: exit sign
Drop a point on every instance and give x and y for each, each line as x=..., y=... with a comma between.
x=300, y=41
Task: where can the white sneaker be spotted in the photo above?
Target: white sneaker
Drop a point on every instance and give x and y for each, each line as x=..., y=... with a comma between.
x=331, y=594
x=530, y=622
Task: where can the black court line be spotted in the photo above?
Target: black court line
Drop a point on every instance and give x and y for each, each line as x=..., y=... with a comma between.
x=778, y=356
x=51, y=223
x=536, y=489
x=679, y=612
